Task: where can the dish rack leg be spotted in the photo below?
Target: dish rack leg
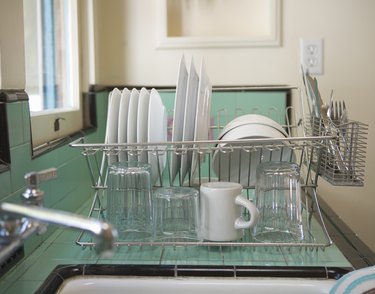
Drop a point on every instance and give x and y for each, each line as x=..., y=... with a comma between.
x=96, y=205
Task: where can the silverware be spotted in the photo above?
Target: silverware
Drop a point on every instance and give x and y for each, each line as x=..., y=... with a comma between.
x=344, y=118
x=339, y=113
x=332, y=130
x=334, y=118
x=342, y=122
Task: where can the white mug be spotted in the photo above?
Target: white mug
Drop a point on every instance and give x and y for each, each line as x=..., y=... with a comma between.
x=221, y=205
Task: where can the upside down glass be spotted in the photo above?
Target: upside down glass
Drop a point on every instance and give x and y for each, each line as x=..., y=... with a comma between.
x=278, y=199
x=176, y=214
x=129, y=202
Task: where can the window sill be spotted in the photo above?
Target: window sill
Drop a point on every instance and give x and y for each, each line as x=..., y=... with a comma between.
x=89, y=126
x=52, y=145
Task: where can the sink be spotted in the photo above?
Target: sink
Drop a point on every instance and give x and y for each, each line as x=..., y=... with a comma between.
x=159, y=279
x=196, y=285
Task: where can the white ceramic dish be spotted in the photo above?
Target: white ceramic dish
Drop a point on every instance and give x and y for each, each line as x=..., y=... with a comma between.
x=108, y=117
x=157, y=132
x=239, y=165
x=142, y=121
x=112, y=121
x=132, y=122
x=251, y=119
x=189, y=117
x=178, y=114
x=123, y=122
x=202, y=117
x=112, y=115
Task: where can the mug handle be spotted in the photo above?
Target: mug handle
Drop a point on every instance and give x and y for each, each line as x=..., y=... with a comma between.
x=240, y=223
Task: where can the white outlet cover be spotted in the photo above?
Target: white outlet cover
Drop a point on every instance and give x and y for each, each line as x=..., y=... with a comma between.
x=311, y=55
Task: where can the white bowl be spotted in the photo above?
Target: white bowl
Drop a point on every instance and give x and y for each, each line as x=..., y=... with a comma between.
x=252, y=119
x=239, y=165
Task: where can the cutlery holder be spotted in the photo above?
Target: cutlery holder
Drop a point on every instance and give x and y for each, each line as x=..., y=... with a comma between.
x=342, y=162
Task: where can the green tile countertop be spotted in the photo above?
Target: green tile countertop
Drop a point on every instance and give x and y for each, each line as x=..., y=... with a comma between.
x=60, y=248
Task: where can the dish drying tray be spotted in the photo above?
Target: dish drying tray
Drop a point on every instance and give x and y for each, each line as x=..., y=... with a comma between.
x=309, y=146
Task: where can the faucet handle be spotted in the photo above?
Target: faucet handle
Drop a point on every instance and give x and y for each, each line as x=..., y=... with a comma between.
x=34, y=178
x=33, y=195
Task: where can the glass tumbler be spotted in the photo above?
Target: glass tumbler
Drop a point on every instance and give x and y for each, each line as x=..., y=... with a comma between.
x=176, y=214
x=129, y=200
x=278, y=199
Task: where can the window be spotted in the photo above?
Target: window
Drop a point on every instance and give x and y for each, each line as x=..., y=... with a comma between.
x=52, y=68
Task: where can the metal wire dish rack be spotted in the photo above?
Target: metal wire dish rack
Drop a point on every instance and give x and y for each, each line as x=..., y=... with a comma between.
x=305, y=149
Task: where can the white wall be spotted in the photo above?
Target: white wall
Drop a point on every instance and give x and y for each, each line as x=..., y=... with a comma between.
x=126, y=54
x=12, y=61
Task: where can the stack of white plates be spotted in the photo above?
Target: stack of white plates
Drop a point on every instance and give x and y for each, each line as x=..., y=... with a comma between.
x=239, y=164
x=191, y=117
x=137, y=117
x=140, y=117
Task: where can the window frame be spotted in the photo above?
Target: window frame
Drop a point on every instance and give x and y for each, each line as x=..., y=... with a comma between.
x=69, y=120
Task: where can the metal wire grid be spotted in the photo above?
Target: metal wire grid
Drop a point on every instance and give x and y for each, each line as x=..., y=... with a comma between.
x=304, y=149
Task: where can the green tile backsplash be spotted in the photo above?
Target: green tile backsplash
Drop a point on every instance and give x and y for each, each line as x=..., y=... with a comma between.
x=16, y=123
x=21, y=163
x=5, y=184
x=73, y=184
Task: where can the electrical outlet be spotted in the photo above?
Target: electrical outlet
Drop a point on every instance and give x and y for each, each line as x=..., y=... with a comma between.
x=311, y=55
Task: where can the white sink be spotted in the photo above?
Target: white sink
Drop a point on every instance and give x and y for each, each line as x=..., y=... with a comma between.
x=163, y=285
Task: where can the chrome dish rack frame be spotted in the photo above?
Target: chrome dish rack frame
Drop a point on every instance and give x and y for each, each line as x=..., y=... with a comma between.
x=309, y=150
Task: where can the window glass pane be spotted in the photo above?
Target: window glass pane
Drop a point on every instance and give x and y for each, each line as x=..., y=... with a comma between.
x=51, y=50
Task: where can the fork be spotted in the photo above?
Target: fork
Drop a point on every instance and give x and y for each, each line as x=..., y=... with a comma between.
x=339, y=114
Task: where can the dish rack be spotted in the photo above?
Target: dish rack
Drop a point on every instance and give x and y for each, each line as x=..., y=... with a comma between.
x=307, y=141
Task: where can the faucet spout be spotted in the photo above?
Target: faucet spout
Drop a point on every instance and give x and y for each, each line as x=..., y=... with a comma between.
x=103, y=231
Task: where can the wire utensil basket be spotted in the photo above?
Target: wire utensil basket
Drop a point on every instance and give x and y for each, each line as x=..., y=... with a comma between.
x=342, y=163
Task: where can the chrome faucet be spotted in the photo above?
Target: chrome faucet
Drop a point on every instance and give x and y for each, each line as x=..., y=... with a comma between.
x=18, y=222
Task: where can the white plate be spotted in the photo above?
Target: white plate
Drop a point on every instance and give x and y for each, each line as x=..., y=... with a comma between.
x=123, y=122
x=178, y=114
x=202, y=117
x=251, y=119
x=142, y=121
x=235, y=165
x=108, y=117
x=189, y=117
x=132, y=123
x=157, y=132
x=112, y=121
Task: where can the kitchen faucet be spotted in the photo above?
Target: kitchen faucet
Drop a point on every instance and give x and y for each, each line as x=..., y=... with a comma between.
x=18, y=222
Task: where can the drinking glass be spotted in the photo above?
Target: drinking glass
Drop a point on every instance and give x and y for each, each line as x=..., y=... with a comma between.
x=129, y=202
x=278, y=199
x=176, y=214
